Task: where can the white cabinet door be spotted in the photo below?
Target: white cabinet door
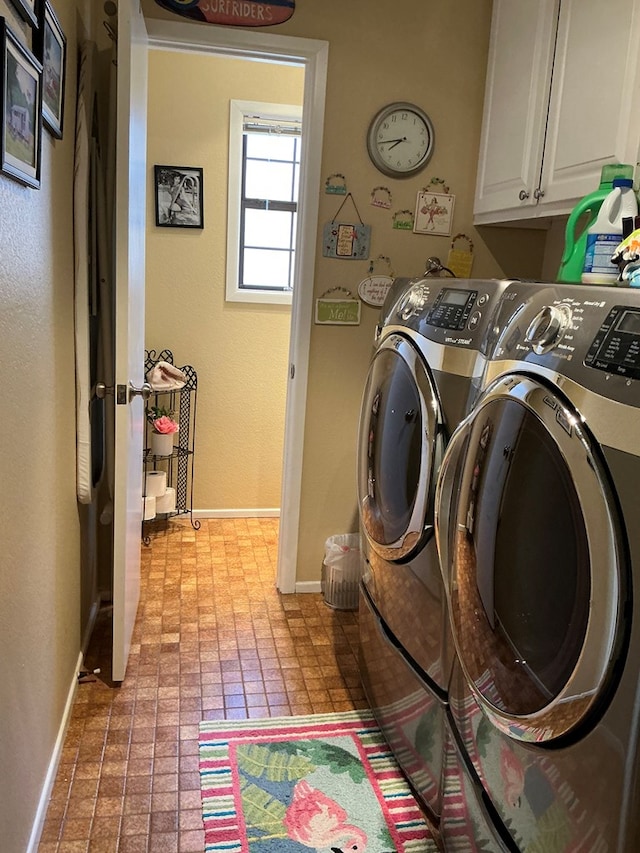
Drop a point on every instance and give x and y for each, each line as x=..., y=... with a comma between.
x=515, y=108
x=594, y=115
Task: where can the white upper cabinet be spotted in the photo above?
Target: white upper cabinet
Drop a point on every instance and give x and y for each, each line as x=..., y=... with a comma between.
x=559, y=104
x=516, y=102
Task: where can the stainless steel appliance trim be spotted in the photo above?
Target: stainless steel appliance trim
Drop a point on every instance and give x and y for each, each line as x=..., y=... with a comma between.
x=431, y=453
x=613, y=424
x=447, y=358
x=603, y=631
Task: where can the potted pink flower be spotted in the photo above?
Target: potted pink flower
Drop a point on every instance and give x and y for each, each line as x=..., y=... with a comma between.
x=163, y=427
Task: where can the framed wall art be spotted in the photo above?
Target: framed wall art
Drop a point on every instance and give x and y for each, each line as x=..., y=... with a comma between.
x=178, y=194
x=27, y=9
x=21, y=110
x=434, y=213
x=50, y=46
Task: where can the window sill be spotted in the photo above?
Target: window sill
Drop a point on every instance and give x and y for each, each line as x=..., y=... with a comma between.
x=259, y=297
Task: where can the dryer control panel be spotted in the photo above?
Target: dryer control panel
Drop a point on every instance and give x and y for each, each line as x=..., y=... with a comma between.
x=616, y=347
x=588, y=334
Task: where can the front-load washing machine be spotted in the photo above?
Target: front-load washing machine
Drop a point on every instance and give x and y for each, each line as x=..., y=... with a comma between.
x=425, y=369
x=537, y=525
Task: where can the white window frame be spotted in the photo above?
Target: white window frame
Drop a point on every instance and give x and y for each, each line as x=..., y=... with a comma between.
x=238, y=112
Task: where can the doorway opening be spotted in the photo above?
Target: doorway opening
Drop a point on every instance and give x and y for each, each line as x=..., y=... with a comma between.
x=311, y=55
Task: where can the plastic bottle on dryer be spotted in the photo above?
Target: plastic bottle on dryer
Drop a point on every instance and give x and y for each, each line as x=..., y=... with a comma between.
x=582, y=218
x=606, y=233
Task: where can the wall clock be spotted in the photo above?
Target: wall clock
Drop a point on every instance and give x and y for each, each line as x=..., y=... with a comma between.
x=400, y=139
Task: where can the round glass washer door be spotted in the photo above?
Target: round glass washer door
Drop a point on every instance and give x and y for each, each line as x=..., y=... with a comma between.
x=537, y=560
x=399, y=450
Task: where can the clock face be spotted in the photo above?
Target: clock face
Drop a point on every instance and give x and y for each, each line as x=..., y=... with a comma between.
x=400, y=140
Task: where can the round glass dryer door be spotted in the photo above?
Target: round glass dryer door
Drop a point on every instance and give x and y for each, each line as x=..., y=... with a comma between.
x=537, y=567
x=399, y=450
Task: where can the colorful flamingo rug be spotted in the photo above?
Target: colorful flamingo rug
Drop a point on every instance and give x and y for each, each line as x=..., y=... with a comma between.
x=325, y=783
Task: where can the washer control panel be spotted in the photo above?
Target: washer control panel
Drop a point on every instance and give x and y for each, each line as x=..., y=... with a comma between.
x=452, y=312
x=452, y=308
x=616, y=347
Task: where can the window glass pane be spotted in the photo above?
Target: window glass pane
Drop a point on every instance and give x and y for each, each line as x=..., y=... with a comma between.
x=268, y=228
x=269, y=180
x=296, y=181
x=270, y=146
x=266, y=268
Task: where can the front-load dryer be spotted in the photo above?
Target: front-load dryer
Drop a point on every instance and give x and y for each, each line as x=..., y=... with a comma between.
x=537, y=524
x=424, y=372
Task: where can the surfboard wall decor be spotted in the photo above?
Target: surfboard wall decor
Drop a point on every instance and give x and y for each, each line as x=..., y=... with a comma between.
x=237, y=13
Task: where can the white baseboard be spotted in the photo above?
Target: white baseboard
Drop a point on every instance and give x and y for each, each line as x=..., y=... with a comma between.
x=50, y=778
x=308, y=586
x=237, y=513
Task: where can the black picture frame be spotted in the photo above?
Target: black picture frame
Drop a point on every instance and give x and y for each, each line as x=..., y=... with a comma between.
x=21, y=110
x=178, y=196
x=28, y=11
x=50, y=47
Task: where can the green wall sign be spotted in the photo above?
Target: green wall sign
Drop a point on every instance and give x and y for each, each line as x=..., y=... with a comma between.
x=338, y=312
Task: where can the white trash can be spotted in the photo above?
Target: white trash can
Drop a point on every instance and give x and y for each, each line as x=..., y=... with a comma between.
x=341, y=571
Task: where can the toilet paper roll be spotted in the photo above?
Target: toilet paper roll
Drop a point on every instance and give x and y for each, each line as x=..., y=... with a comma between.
x=148, y=508
x=155, y=484
x=167, y=502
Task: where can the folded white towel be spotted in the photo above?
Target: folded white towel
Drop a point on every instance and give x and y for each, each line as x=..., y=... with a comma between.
x=166, y=377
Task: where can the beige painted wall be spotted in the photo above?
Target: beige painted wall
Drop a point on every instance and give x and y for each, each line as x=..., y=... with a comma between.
x=40, y=559
x=433, y=54
x=437, y=53
x=239, y=350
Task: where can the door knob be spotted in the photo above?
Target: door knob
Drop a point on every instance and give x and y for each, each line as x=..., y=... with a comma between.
x=101, y=390
x=144, y=391
x=122, y=397
x=538, y=193
x=523, y=195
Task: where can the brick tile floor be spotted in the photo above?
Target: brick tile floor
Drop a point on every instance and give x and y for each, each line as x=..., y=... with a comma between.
x=213, y=640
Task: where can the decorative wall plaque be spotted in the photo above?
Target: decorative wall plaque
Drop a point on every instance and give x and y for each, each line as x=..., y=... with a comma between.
x=236, y=13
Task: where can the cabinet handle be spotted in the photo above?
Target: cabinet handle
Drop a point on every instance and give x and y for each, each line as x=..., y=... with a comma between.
x=523, y=195
x=538, y=193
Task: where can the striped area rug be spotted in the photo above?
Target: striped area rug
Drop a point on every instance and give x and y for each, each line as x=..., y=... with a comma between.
x=326, y=782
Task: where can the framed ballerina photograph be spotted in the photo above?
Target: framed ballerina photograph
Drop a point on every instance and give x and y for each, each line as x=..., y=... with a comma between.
x=434, y=213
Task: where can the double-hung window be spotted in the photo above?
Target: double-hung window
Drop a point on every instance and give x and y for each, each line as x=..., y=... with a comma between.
x=264, y=175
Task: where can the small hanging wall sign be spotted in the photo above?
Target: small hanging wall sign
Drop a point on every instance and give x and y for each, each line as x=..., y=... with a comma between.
x=237, y=13
x=337, y=311
x=434, y=210
x=381, y=197
x=374, y=288
x=336, y=184
x=403, y=220
x=346, y=240
x=460, y=258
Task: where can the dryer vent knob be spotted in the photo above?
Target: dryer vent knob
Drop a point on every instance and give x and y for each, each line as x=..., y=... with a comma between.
x=547, y=327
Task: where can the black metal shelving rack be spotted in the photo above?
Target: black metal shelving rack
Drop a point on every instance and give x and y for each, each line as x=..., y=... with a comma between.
x=179, y=466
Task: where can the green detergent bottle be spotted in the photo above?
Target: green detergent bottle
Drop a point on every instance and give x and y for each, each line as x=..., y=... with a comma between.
x=575, y=244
